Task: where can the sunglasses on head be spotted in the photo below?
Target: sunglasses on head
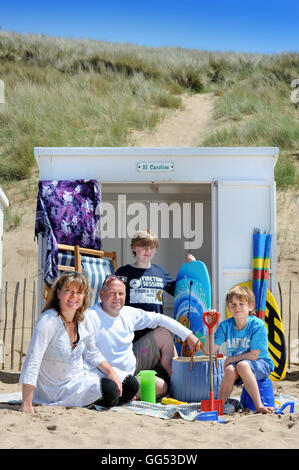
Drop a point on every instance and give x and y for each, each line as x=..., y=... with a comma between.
x=113, y=277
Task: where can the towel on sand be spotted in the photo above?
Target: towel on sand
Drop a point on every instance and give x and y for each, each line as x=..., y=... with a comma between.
x=157, y=410
x=188, y=412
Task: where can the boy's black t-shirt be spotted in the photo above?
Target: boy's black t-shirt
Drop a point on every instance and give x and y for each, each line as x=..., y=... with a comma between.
x=145, y=287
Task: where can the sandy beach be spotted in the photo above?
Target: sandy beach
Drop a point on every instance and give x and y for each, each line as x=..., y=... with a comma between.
x=81, y=428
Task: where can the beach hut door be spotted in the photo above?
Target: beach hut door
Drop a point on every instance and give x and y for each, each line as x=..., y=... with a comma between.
x=237, y=208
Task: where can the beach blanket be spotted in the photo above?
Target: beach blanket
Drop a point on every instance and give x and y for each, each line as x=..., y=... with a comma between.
x=157, y=410
x=282, y=398
x=14, y=398
x=188, y=412
x=67, y=212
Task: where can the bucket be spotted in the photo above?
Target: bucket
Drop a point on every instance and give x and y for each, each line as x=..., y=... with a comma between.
x=266, y=392
x=194, y=385
x=147, y=385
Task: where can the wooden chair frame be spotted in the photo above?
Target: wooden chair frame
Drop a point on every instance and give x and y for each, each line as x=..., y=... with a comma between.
x=78, y=251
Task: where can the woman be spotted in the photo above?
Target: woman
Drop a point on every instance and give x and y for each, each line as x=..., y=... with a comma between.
x=53, y=372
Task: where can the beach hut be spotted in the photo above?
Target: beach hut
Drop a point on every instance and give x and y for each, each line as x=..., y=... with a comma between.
x=202, y=200
x=4, y=203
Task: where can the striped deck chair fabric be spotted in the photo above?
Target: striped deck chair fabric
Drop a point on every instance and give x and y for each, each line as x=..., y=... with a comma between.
x=96, y=269
x=65, y=259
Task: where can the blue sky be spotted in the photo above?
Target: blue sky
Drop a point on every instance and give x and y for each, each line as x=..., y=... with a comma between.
x=266, y=26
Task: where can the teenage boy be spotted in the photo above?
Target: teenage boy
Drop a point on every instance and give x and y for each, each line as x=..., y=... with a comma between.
x=146, y=283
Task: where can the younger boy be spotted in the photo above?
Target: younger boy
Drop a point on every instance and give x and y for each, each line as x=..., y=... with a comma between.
x=246, y=339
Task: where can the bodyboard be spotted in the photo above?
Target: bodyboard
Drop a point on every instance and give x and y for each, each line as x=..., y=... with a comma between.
x=192, y=297
x=276, y=336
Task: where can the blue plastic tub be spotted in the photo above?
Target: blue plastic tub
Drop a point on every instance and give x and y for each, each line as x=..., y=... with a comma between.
x=266, y=392
x=194, y=386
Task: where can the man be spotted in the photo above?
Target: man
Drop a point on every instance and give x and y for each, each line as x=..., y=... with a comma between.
x=113, y=325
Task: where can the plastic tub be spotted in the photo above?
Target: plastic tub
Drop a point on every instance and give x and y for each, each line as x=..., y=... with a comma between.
x=194, y=386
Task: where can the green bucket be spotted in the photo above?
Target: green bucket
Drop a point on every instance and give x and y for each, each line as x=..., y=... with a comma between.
x=148, y=385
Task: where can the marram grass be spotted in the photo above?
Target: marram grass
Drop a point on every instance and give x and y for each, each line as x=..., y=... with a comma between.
x=70, y=92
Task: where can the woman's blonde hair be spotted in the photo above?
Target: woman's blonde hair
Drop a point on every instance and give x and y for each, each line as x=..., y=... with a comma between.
x=67, y=279
x=144, y=238
x=244, y=294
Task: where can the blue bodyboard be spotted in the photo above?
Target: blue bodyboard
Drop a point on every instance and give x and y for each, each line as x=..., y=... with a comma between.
x=192, y=297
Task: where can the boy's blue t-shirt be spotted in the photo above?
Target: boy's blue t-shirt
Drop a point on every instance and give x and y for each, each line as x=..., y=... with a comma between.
x=253, y=336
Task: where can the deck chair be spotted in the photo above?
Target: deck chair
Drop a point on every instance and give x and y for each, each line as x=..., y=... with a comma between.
x=96, y=265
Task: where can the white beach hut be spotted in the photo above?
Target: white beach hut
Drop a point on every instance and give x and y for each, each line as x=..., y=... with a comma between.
x=203, y=200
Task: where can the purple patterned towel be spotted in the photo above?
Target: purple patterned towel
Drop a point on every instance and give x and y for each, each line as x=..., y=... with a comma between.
x=67, y=212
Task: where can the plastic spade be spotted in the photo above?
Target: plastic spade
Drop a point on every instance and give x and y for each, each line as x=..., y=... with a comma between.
x=211, y=404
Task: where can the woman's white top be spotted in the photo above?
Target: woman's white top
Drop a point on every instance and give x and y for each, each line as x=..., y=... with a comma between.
x=114, y=335
x=56, y=370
